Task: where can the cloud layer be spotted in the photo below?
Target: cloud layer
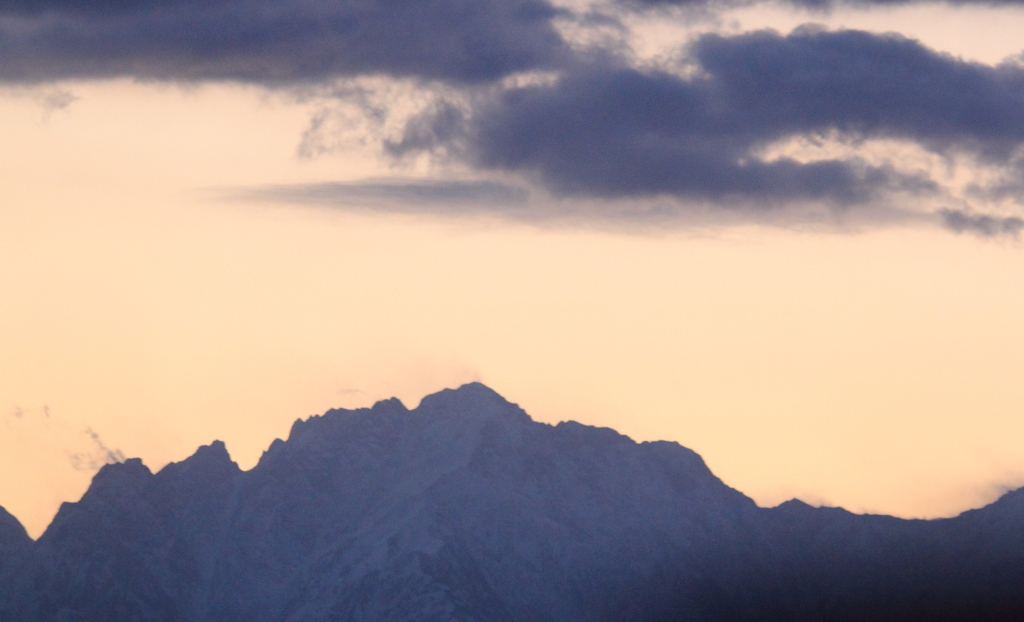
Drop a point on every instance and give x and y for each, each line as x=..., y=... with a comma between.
x=275, y=42
x=703, y=129
x=614, y=131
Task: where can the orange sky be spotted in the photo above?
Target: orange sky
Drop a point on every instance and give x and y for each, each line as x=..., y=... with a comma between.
x=877, y=369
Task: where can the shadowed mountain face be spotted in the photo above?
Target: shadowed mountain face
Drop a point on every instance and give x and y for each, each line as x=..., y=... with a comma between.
x=14, y=542
x=466, y=510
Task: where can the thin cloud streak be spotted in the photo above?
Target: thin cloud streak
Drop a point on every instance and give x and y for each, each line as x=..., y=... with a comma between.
x=497, y=201
x=392, y=195
x=985, y=225
x=99, y=456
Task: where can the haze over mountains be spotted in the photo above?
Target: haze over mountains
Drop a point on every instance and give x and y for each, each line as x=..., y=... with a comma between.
x=464, y=509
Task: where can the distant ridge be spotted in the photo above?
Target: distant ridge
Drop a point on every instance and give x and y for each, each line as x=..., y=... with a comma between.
x=464, y=509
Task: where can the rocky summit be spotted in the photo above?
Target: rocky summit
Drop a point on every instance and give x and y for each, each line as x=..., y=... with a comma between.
x=464, y=509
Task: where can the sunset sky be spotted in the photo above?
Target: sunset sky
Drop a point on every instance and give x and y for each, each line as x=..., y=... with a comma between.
x=787, y=236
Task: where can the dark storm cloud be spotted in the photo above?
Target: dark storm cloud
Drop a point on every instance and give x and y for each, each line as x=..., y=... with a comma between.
x=624, y=133
x=616, y=131
x=274, y=42
x=37, y=7
x=867, y=85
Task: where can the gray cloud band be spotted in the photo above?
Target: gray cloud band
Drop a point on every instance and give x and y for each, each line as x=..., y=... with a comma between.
x=282, y=42
x=602, y=129
x=615, y=131
x=276, y=42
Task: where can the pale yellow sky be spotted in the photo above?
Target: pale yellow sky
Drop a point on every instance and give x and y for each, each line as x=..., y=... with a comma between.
x=878, y=370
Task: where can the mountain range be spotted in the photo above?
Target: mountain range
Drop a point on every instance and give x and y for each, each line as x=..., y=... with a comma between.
x=464, y=509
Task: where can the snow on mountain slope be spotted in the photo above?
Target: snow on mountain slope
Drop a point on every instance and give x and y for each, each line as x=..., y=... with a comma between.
x=465, y=509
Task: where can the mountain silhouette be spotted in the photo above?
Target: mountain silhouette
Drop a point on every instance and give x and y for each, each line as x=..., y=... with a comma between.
x=464, y=509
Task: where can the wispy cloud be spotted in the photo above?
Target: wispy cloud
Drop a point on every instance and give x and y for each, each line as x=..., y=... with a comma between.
x=393, y=195
x=985, y=225
x=100, y=454
x=41, y=428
